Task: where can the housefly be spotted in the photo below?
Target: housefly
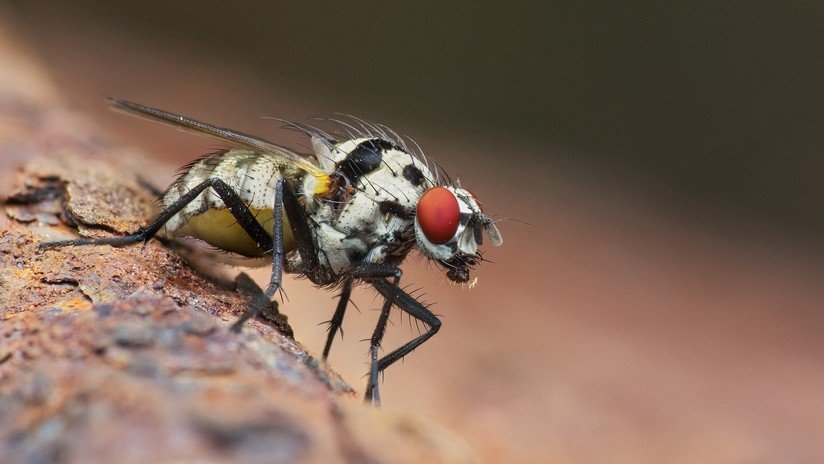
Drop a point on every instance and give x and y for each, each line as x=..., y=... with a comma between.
x=347, y=213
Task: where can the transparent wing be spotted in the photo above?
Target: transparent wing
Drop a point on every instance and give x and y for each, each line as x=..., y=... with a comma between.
x=237, y=138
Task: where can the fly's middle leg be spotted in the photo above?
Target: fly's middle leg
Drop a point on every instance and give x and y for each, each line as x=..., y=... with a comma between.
x=286, y=202
x=276, y=281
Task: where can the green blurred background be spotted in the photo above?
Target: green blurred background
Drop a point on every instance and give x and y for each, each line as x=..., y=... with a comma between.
x=717, y=107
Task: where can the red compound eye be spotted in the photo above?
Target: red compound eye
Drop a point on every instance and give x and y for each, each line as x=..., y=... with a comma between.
x=438, y=214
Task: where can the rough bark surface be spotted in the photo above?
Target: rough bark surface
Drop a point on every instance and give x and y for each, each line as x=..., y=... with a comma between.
x=124, y=354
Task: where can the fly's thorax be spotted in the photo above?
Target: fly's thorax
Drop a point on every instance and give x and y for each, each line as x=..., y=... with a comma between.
x=386, y=185
x=371, y=218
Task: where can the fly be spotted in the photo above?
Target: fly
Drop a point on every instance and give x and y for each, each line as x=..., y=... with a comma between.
x=349, y=212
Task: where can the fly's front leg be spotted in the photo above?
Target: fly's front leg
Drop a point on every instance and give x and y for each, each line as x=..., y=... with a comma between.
x=377, y=275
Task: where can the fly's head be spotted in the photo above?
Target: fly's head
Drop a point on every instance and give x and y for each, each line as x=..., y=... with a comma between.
x=449, y=227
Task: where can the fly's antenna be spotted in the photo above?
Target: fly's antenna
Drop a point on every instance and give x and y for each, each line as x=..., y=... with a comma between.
x=491, y=229
x=513, y=220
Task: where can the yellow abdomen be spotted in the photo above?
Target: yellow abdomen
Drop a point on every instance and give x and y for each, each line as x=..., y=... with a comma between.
x=219, y=228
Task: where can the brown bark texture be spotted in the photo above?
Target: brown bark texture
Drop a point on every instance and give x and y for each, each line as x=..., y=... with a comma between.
x=124, y=354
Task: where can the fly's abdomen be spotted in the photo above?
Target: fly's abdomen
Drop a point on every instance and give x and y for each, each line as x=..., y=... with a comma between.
x=252, y=176
x=219, y=228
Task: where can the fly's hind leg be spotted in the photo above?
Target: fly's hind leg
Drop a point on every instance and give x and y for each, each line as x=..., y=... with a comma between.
x=230, y=198
x=378, y=275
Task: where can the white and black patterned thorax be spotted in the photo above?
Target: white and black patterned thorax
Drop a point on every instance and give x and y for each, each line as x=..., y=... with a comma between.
x=374, y=223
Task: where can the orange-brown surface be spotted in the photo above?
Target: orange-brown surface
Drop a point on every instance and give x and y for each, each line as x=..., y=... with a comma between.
x=614, y=328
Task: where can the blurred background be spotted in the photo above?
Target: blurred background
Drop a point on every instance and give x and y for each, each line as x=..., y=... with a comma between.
x=666, y=300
